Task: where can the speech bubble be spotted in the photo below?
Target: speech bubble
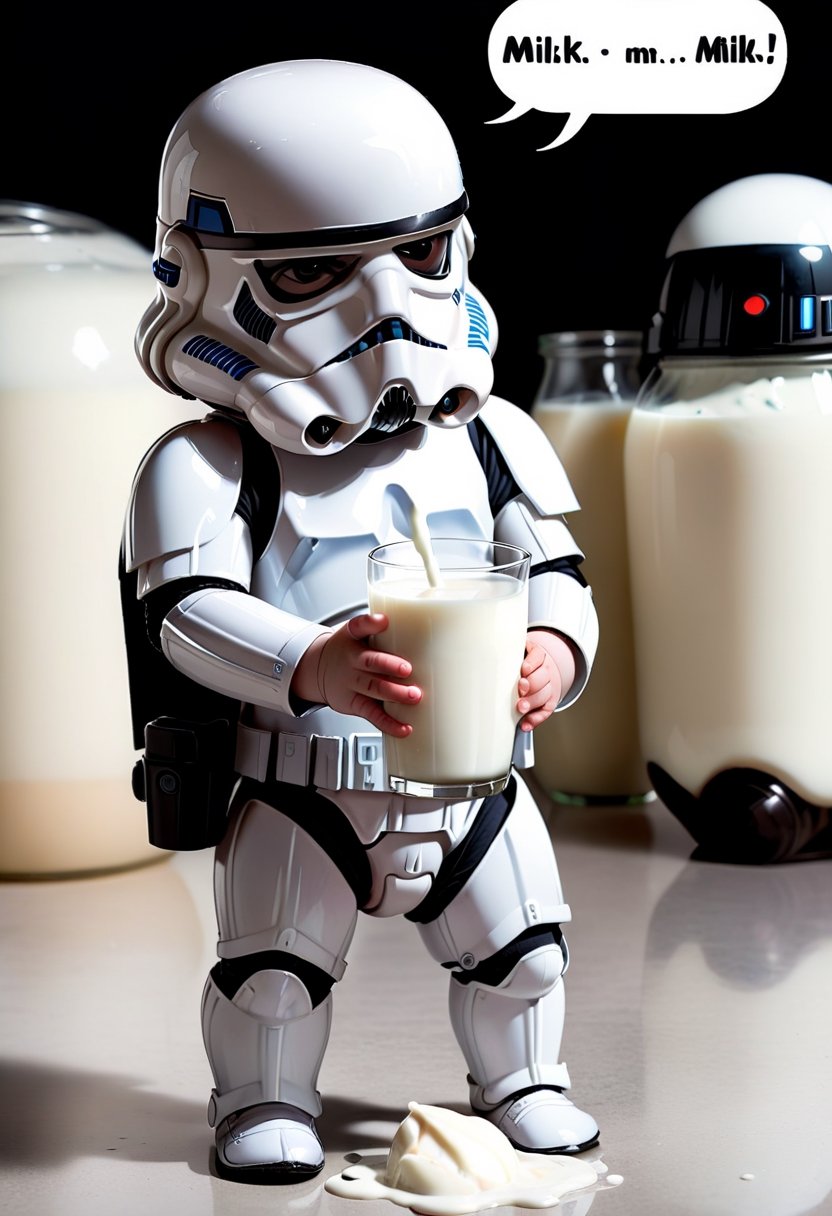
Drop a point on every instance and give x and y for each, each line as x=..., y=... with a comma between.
x=582, y=57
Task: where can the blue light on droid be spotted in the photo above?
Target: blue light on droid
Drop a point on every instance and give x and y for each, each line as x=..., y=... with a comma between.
x=807, y=313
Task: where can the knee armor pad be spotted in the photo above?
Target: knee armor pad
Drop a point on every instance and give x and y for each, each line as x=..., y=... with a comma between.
x=271, y=983
x=535, y=974
x=528, y=967
x=274, y=998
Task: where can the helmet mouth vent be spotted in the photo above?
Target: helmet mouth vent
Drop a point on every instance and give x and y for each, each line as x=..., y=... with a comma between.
x=395, y=410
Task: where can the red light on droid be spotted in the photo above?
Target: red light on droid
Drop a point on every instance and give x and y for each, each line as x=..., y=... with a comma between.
x=755, y=305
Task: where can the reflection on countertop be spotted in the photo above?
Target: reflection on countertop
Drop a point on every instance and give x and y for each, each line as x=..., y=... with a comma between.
x=699, y=997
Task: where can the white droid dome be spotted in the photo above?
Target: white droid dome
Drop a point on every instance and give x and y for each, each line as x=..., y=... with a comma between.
x=749, y=272
x=764, y=209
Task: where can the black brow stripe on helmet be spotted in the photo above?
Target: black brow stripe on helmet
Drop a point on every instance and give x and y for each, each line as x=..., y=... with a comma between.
x=222, y=236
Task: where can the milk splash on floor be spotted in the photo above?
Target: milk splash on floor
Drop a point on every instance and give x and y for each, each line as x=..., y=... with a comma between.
x=445, y=1164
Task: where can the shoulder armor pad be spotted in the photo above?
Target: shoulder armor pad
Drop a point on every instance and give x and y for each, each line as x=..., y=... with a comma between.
x=530, y=456
x=185, y=491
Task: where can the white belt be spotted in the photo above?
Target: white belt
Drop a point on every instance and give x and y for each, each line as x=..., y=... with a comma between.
x=330, y=762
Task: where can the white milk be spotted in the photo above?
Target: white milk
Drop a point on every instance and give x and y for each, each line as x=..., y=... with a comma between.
x=593, y=748
x=78, y=414
x=730, y=517
x=466, y=641
x=423, y=546
x=442, y=1163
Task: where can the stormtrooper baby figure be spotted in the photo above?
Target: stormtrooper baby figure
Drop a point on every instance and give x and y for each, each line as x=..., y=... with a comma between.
x=312, y=265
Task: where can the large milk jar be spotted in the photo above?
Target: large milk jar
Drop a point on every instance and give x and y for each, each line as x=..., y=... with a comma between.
x=728, y=474
x=589, y=384
x=78, y=414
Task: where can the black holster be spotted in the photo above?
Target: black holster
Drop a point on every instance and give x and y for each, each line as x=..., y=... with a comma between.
x=186, y=777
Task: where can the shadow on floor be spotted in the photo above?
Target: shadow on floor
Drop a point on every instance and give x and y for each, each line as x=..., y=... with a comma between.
x=60, y=1114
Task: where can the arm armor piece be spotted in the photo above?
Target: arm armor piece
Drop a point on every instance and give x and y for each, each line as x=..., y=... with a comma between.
x=239, y=645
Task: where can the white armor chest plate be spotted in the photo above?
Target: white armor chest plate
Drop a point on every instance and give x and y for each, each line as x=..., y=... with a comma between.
x=335, y=509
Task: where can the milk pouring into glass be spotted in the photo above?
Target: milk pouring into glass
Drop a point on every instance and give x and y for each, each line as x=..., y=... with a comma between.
x=458, y=611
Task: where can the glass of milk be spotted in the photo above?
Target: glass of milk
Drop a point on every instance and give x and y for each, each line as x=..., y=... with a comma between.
x=465, y=634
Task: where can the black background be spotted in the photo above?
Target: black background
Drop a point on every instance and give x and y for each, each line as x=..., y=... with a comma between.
x=572, y=238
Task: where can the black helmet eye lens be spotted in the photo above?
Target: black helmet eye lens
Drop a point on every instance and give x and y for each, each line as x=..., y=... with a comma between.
x=296, y=279
x=305, y=278
x=427, y=255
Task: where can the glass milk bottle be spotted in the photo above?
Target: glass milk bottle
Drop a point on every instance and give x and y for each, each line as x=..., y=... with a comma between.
x=729, y=504
x=78, y=414
x=591, y=752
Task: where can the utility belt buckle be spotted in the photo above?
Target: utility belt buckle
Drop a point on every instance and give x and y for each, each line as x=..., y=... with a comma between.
x=329, y=762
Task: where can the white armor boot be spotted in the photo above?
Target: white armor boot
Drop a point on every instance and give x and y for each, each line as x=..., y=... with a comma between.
x=510, y=1036
x=265, y=1047
x=544, y=1121
x=281, y=1135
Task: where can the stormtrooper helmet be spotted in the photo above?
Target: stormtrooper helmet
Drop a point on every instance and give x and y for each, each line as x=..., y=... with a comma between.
x=312, y=259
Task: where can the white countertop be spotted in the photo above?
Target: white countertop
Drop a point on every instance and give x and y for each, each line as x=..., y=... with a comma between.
x=699, y=1007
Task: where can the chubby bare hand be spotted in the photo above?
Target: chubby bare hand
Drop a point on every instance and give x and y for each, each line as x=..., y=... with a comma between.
x=546, y=675
x=341, y=670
